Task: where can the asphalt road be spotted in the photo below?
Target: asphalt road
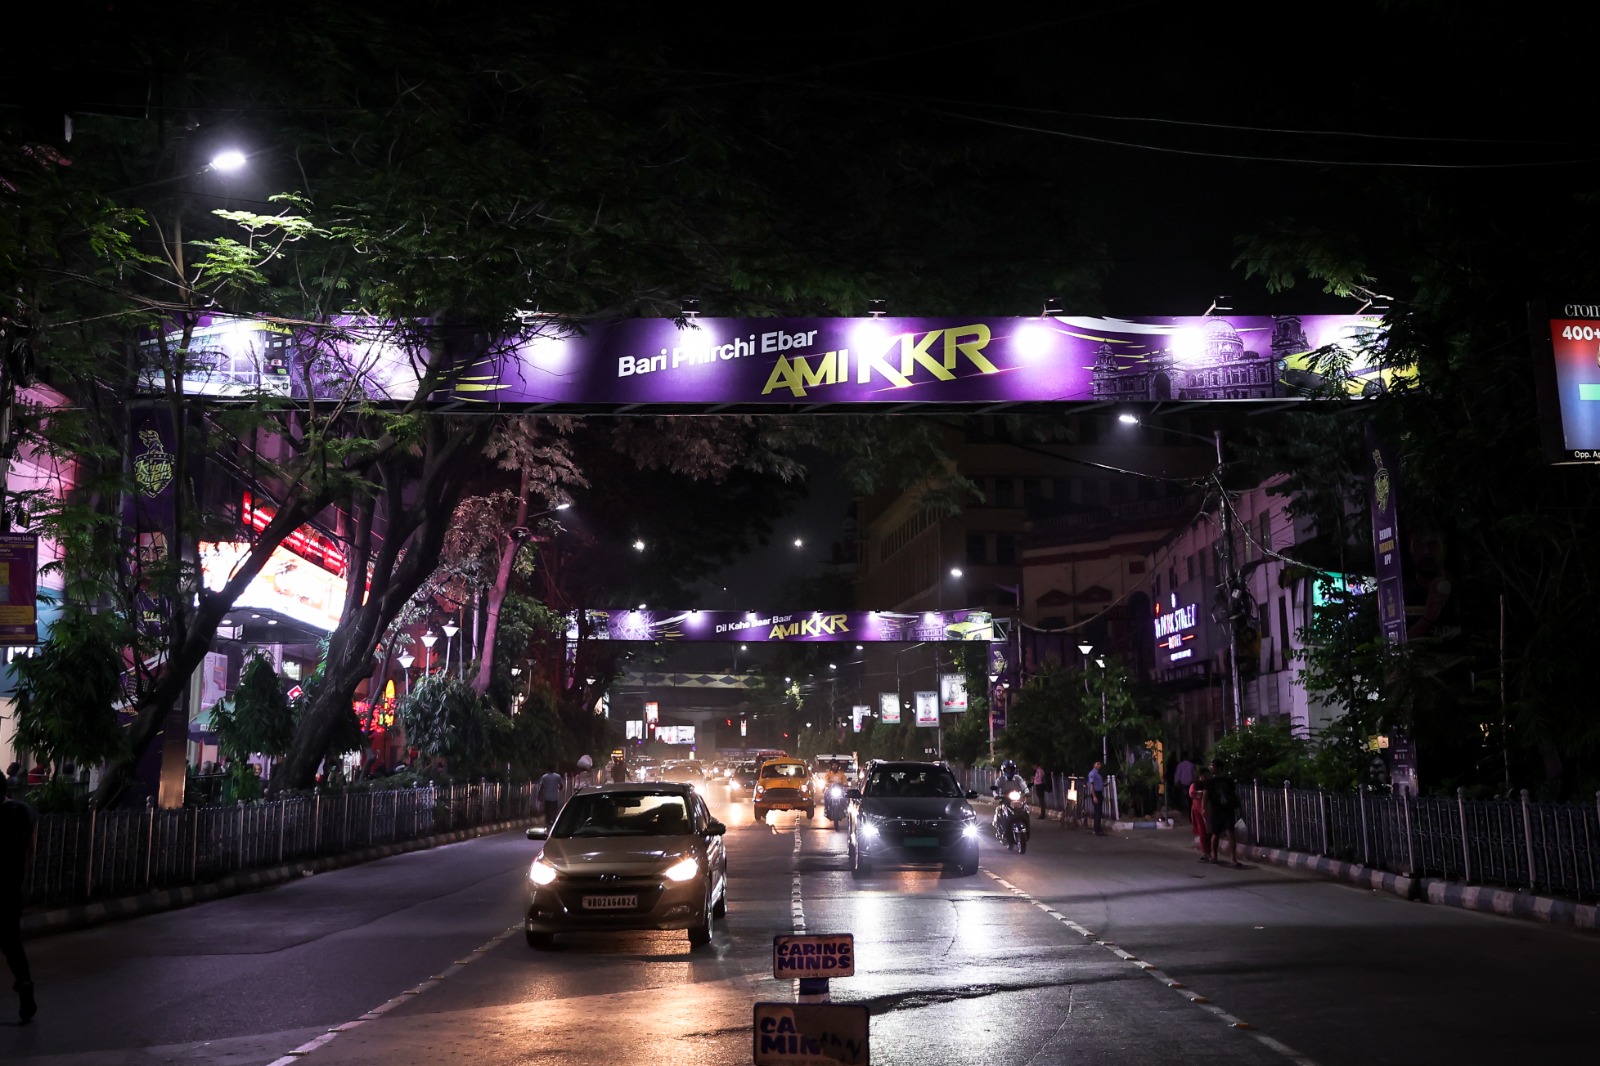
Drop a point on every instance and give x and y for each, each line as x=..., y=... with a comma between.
x=1085, y=950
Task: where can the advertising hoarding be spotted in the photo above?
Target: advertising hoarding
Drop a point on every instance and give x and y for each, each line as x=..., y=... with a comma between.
x=952, y=693
x=802, y=627
x=1566, y=350
x=889, y=708
x=288, y=584
x=782, y=363
x=927, y=704
x=19, y=593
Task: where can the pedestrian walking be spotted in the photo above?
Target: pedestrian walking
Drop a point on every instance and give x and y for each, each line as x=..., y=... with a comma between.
x=1041, y=785
x=17, y=822
x=549, y=793
x=1222, y=808
x=1097, y=796
x=1182, y=778
x=1197, y=813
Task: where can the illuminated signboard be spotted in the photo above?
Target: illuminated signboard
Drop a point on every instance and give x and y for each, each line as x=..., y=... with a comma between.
x=652, y=713
x=889, y=708
x=952, y=693
x=857, y=713
x=1175, y=630
x=304, y=542
x=801, y=627
x=927, y=704
x=291, y=586
x=1566, y=342
x=675, y=734
x=776, y=364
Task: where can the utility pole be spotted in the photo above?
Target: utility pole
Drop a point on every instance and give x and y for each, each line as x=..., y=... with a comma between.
x=1229, y=577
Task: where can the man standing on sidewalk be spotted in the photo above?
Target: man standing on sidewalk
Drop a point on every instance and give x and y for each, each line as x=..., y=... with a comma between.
x=16, y=850
x=1097, y=796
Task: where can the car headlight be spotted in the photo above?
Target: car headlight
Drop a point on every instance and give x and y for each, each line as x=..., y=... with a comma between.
x=685, y=870
x=970, y=831
x=868, y=828
x=541, y=872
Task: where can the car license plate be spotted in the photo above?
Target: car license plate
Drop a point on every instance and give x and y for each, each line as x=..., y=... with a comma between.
x=922, y=842
x=610, y=903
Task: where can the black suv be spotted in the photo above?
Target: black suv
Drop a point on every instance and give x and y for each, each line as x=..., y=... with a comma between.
x=908, y=813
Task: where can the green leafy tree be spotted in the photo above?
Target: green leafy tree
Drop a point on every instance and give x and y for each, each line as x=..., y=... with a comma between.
x=257, y=720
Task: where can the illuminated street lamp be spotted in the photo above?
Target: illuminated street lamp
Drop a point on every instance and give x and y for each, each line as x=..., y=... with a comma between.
x=405, y=664
x=450, y=631
x=428, y=640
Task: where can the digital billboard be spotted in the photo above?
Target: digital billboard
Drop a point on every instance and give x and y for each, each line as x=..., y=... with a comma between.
x=1566, y=346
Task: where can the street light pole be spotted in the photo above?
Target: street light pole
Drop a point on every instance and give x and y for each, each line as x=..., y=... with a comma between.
x=1228, y=577
x=1087, y=648
x=450, y=631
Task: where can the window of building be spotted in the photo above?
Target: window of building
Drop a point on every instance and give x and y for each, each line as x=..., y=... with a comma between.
x=1005, y=549
x=1005, y=492
x=977, y=549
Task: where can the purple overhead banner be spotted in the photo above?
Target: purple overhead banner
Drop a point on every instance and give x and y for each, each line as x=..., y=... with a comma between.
x=800, y=627
x=788, y=362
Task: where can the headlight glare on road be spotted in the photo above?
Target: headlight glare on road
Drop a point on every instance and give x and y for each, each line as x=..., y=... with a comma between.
x=684, y=870
x=541, y=872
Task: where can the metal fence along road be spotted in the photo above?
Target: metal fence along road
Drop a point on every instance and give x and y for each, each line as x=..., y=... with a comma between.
x=1548, y=848
x=103, y=854
x=1551, y=848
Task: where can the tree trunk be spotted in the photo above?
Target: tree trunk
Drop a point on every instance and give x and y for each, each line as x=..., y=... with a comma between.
x=509, y=546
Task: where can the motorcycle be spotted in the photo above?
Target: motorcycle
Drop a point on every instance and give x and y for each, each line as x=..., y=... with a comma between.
x=1012, y=820
x=834, y=804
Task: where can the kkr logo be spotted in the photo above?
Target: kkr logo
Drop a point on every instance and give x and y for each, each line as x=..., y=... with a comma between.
x=826, y=626
x=936, y=355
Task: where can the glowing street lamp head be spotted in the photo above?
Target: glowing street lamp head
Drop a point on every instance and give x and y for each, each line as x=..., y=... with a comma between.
x=229, y=160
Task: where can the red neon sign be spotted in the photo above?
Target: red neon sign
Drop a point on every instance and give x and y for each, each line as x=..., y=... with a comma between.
x=304, y=542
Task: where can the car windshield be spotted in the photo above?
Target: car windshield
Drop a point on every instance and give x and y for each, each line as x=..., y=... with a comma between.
x=913, y=782
x=793, y=770
x=622, y=814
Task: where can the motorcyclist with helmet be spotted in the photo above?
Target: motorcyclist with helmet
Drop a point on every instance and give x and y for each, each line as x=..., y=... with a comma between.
x=1010, y=807
x=835, y=784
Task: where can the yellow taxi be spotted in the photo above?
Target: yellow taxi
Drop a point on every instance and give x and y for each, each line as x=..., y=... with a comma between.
x=783, y=785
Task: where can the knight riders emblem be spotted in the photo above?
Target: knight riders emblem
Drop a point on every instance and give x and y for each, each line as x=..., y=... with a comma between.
x=153, y=469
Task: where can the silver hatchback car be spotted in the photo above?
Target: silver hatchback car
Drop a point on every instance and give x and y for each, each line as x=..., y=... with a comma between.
x=629, y=856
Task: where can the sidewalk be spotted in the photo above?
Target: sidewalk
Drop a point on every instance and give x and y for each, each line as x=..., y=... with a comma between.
x=44, y=921
x=1508, y=902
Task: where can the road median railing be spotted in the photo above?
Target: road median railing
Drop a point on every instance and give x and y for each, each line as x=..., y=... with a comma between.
x=100, y=854
x=1512, y=842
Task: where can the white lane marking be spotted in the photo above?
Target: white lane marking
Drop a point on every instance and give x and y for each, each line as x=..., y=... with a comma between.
x=1195, y=998
x=299, y=1053
x=797, y=910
